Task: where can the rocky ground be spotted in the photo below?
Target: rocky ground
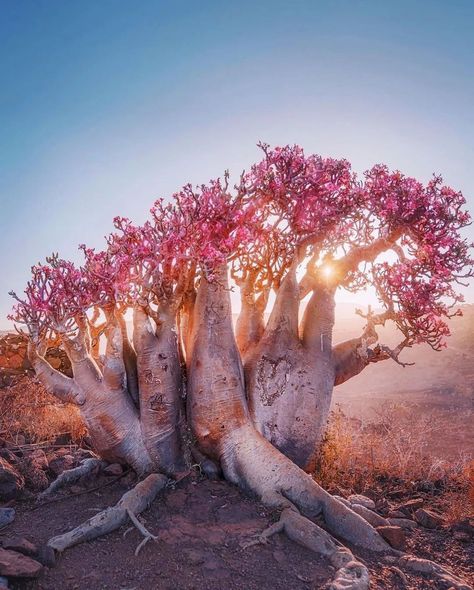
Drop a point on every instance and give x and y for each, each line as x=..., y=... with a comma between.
x=201, y=527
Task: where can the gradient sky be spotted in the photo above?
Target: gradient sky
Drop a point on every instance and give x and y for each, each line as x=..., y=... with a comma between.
x=106, y=104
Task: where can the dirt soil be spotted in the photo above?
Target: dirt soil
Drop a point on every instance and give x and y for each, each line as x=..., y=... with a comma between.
x=201, y=525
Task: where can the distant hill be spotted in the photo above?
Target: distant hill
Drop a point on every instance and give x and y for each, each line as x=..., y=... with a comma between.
x=449, y=371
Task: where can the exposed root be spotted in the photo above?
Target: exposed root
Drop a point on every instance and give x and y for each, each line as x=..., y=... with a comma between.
x=72, y=475
x=350, y=574
x=110, y=519
x=353, y=576
x=369, y=515
x=433, y=570
x=147, y=536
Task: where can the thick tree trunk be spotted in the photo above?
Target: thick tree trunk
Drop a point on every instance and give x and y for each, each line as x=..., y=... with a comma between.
x=221, y=423
x=290, y=377
x=160, y=387
x=250, y=324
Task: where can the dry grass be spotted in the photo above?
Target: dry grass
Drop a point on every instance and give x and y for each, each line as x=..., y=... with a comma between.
x=394, y=452
x=28, y=411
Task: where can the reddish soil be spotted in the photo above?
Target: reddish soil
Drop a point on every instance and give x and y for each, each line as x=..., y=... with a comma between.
x=201, y=525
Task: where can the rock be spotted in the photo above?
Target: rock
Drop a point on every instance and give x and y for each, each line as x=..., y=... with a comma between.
x=113, y=469
x=396, y=514
x=61, y=463
x=394, y=535
x=463, y=537
x=362, y=501
x=42, y=553
x=20, y=545
x=7, y=515
x=35, y=478
x=410, y=506
x=428, y=518
x=38, y=458
x=465, y=526
x=405, y=523
x=11, y=482
x=17, y=565
x=396, y=493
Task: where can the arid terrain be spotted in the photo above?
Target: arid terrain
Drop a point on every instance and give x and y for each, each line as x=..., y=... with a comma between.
x=439, y=387
x=397, y=435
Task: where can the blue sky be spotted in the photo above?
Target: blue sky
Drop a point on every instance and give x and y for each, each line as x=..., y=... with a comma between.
x=106, y=105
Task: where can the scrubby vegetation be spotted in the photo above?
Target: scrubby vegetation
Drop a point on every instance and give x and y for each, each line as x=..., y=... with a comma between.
x=29, y=414
x=391, y=456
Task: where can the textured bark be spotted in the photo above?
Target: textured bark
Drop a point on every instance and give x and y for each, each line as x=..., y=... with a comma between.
x=222, y=426
x=104, y=404
x=216, y=398
x=69, y=476
x=350, y=358
x=64, y=388
x=250, y=324
x=160, y=387
x=134, y=502
x=290, y=378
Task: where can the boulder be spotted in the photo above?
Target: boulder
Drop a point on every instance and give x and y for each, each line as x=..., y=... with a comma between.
x=428, y=518
x=11, y=482
x=410, y=506
x=362, y=501
x=394, y=535
x=18, y=565
x=405, y=523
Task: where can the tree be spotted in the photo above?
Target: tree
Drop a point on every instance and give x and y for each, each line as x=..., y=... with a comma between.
x=256, y=399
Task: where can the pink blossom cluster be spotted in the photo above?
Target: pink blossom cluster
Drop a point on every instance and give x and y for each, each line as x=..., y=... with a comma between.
x=288, y=206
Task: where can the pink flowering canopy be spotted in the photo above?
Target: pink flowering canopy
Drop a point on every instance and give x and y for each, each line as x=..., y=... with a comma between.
x=289, y=206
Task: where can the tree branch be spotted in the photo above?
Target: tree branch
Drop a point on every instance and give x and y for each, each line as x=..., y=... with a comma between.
x=59, y=385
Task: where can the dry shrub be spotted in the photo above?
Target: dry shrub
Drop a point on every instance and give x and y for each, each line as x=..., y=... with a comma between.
x=28, y=410
x=393, y=451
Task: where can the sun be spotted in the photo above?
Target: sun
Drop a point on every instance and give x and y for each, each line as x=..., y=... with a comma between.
x=327, y=271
